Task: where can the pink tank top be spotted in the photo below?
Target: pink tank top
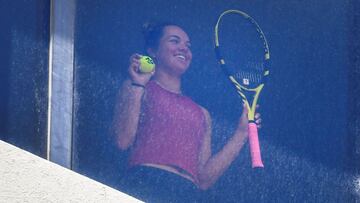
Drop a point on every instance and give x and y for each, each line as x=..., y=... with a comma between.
x=170, y=132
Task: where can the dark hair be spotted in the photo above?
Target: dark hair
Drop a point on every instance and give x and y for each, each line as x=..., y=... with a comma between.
x=153, y=32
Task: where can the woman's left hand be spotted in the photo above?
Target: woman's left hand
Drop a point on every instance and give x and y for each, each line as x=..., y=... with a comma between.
x=258, y=120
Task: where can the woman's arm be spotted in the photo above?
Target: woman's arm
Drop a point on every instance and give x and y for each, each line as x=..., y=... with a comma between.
x=212, y=167
x=128, y=104
x=126, y=114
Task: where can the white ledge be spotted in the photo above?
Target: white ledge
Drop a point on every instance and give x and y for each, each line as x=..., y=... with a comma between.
x=25, y=177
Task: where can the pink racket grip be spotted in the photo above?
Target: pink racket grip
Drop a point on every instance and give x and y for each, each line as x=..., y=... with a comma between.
x=254, y=146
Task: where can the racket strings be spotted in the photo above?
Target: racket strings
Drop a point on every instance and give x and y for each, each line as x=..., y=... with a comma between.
x=248, y=78
x=251, y=74
x=242, y=48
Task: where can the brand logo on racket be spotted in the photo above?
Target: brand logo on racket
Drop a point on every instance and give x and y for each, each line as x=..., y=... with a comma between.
x=246, y=81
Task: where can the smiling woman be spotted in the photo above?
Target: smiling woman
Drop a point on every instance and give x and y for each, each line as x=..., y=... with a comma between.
x=168, y=134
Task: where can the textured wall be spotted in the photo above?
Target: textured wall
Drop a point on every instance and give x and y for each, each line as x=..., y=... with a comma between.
x=28, y=178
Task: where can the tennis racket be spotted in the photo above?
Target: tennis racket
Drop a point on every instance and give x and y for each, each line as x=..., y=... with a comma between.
x=243, y=53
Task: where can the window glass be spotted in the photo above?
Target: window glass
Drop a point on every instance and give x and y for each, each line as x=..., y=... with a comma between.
x=24, y=40
x=304, y=136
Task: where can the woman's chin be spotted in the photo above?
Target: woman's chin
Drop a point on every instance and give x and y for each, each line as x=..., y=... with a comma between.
x=181, y=70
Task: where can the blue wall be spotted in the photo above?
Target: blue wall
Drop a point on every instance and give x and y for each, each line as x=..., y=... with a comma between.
x=24, y=44
x=305, y=139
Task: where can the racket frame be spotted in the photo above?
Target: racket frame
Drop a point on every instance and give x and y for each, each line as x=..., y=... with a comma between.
x=256, y=162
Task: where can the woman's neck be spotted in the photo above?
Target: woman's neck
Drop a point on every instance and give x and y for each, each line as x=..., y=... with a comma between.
x=168, y=82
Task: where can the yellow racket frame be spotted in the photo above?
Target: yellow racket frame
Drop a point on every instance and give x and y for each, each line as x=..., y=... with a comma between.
x=239, y=87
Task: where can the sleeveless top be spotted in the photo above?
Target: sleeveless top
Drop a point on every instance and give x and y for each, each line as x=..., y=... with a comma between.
x=171, y=130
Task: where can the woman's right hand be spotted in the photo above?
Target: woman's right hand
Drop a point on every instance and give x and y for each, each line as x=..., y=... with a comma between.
x=134, y=71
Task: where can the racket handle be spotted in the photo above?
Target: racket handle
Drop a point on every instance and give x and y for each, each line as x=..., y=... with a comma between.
x=254, y=146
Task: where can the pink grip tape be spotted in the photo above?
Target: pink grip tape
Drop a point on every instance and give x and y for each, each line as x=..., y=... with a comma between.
x=254, y=146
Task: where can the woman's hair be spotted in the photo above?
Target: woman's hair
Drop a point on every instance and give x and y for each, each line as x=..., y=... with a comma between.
x=153, y=32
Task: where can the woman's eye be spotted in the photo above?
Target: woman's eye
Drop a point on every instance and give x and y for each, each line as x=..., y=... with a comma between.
x=174, y=41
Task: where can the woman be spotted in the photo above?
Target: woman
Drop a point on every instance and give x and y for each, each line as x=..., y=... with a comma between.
x=169, y=135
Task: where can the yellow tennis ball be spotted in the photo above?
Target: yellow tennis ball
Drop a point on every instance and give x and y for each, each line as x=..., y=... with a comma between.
x=147, y=65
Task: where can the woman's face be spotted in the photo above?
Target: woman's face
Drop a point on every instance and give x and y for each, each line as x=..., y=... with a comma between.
x=173, y=53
